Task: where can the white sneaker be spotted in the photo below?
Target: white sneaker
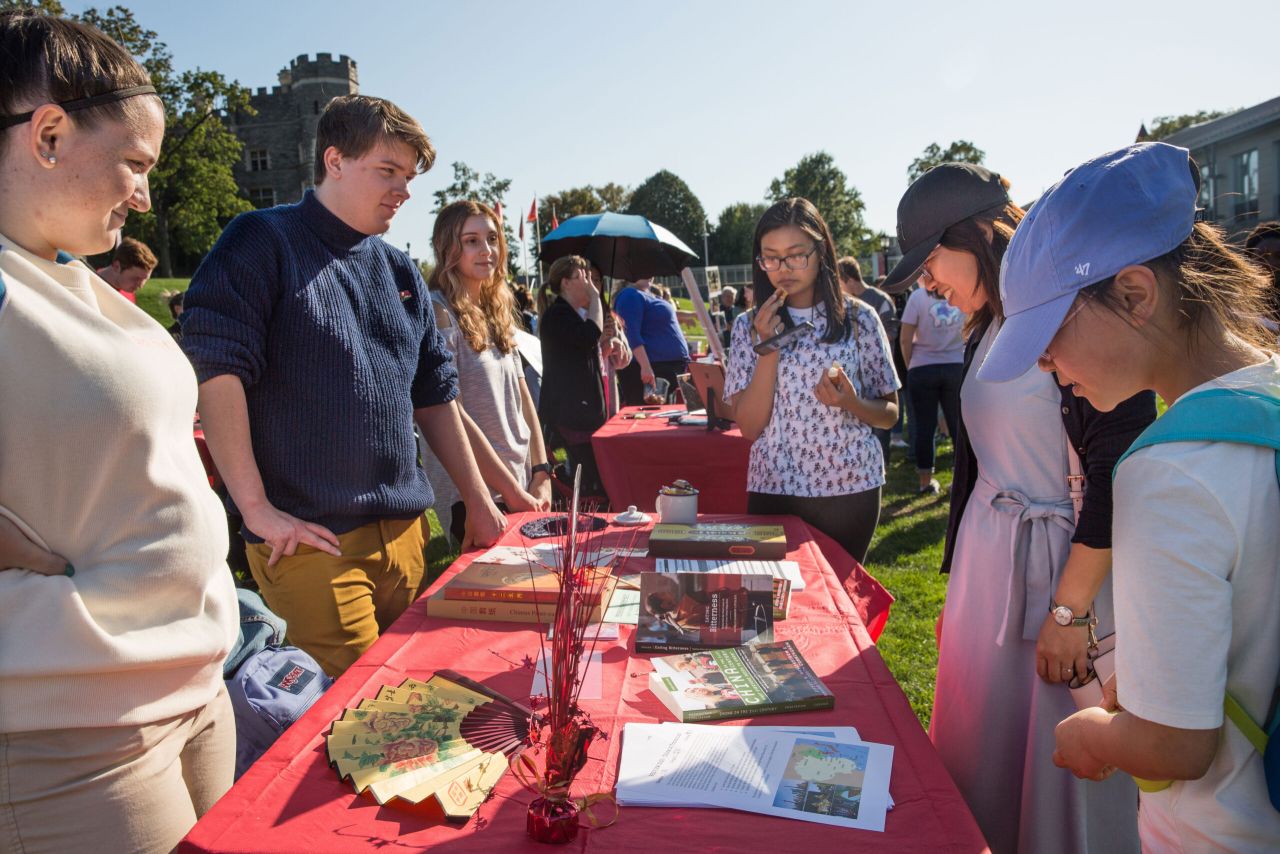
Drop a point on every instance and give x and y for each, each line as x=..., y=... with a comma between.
x=897, y=442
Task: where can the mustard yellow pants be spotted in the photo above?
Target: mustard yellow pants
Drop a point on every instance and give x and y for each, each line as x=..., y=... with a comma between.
x=337, y=606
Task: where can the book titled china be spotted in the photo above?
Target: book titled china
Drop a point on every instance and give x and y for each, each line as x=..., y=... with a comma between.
x=741, y=682
x=718, y=540
x=689, y=611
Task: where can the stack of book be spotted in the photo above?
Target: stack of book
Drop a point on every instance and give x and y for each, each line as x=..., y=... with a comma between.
x=505, y=591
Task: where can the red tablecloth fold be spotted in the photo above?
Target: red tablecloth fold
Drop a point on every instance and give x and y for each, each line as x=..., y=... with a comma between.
x=291, y=801
x=637, y=456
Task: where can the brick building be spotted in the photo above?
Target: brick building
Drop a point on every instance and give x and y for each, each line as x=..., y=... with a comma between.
x=278, y=162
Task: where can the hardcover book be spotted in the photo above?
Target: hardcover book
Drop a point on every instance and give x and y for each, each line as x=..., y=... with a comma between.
x=440, y=605
x=718, y=540
x=743, y=682
x=494, y=582
x=685, y=612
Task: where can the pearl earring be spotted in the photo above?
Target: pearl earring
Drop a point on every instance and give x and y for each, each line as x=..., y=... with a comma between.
x=51, y=158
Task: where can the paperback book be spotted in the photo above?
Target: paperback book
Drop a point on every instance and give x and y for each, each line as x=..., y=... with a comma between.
x=785, y=574
x=742, y=682
x=718, y=540
x=688, y=612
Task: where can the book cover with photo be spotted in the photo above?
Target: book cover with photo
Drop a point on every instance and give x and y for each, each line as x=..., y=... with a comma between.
x=686, y=612
x=745, y=681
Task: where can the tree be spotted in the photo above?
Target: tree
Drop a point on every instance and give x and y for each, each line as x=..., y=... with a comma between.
x=488, y=189
x=960, y=151
x=817, y=178
x=586, y=199
x=193, y=190
x=614, y=197
x=470, y=184
x=49, y=7
x=1164, y=126
x=665, y=199
x=731, y=239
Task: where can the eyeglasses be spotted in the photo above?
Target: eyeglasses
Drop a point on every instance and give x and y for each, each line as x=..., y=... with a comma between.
x=798, y=261
x=926, y=278
x=1071, y=315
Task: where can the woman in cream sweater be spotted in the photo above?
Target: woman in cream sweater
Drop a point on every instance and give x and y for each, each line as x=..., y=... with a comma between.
x=116, y=607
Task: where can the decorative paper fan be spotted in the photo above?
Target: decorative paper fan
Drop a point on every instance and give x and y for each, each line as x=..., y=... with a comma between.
x=447, y=738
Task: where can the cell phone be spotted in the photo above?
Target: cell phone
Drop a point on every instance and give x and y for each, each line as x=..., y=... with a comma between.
x=783, y=338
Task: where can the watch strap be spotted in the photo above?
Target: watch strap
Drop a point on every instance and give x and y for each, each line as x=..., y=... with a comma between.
x=545, y=468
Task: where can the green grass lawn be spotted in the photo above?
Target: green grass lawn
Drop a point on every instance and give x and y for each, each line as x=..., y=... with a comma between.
x=153, y=297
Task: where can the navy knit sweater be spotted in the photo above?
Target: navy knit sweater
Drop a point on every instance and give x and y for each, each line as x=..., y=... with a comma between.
x=333, y=336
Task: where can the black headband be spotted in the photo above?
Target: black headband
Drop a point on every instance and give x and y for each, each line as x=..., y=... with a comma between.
x=83, y=103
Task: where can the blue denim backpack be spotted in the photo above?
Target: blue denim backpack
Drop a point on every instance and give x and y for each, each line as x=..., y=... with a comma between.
x=271, y=686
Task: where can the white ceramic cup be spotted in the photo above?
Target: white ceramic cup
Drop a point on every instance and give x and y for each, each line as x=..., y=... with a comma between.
x=678, y=509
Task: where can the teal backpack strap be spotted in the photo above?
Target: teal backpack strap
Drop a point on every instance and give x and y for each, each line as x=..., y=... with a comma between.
x=1216, y=415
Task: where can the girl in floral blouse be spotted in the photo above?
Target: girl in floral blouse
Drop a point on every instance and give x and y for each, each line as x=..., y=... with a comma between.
x=810, y=406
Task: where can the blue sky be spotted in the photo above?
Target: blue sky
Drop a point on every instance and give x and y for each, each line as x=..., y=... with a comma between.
x=730, y=93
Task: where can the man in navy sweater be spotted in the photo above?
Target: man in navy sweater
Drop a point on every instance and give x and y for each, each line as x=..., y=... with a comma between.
x=316, y=350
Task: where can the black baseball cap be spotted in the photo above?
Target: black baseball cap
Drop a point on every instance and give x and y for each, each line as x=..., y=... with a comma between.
x=945, y=195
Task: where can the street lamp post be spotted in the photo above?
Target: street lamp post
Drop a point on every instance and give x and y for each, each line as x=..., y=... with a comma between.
x=885, y=242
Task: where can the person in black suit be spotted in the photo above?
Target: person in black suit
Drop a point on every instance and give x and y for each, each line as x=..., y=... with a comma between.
x=572, y=404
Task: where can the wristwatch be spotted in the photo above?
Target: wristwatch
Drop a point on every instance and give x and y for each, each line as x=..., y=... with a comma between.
x=1064, y=616
x=545, y=468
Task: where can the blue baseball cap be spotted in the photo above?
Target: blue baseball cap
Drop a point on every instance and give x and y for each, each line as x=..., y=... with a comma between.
x=1125, y=207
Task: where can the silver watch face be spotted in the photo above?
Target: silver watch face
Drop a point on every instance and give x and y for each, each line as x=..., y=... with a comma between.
x=1063, y=616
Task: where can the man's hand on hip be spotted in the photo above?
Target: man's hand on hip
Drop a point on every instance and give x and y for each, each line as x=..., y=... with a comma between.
x=284, y=533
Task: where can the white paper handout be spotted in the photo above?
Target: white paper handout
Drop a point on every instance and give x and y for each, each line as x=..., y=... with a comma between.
x=837, y=781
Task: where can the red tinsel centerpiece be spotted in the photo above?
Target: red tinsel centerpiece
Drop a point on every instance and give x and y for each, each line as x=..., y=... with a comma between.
x=567, y=733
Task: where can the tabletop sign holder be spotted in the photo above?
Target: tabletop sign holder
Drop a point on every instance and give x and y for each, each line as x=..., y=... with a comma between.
x=700, y=308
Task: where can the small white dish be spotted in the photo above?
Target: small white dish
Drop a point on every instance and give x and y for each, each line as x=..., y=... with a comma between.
x=632, y=516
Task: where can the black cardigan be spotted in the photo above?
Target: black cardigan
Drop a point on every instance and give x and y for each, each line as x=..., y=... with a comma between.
x=1100, y=439
x=572, y=390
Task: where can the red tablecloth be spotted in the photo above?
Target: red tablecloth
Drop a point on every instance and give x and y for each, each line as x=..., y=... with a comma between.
x=636, y=456
x=292, y=801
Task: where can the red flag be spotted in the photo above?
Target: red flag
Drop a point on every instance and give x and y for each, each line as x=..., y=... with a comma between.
x=555, y=222
x=498, y=210
x=533, y=211
x=521, y=230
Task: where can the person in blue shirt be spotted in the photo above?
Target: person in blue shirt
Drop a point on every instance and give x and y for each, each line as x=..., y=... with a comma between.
x=658, y=347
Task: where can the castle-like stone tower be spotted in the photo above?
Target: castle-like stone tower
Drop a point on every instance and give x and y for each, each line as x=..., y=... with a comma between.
x=278, y=161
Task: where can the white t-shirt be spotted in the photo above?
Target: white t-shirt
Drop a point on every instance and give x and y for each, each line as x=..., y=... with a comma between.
x=939, y=329
x=1196, y=563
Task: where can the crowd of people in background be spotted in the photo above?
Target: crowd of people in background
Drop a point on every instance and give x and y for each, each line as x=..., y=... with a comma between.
x=325, y=368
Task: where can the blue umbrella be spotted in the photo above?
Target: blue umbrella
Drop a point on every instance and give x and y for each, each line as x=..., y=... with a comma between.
x=623, y=246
